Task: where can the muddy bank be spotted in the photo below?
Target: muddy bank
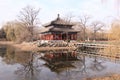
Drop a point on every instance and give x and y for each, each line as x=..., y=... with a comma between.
x=25, y=46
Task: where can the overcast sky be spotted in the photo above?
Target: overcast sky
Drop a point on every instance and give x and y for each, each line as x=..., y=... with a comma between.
x=50, y=8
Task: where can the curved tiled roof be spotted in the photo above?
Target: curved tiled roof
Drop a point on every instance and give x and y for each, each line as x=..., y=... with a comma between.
x=60, y=21
x=64, y=30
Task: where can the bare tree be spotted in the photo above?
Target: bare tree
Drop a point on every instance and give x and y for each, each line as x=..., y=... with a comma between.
x=2, y=34
x=68, y=17
x=97, y=26
x=84, y=23
x=29, y=17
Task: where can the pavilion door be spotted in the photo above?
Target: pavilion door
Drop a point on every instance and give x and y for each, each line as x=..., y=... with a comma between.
x=66, y=36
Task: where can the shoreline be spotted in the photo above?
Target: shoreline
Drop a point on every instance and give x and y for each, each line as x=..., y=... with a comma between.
x=28, y=46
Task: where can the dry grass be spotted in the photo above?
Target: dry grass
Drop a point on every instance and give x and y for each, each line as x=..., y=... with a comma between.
x=31, y=47
x=6, y=42
x=112, y=77
x=112, y=50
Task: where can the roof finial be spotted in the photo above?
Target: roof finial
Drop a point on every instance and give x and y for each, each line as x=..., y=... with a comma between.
x=58, y=16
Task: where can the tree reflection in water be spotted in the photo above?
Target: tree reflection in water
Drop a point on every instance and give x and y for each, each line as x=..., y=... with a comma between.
x=79, y=68
x=29, y=62
x=9, y=55
x=81, y=65
x=97, y=65
x=30, y=68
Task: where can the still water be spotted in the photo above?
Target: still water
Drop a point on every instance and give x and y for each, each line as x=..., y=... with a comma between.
x=53, y=65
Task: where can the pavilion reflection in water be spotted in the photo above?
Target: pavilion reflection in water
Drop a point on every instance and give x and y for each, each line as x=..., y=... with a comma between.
x=59, y=61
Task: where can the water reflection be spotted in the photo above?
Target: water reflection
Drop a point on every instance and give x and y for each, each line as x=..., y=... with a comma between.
x=68, y=64
x=28, y=61
x=30, y=66
x=2, y=51
x=96, y=65
x=58, y=61
x=52, y=65
x=9, y=55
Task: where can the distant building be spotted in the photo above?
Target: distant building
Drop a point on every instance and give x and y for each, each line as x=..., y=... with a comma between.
x=59, y=29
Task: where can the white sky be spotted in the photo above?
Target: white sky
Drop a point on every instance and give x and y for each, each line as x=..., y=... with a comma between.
x=50, y=8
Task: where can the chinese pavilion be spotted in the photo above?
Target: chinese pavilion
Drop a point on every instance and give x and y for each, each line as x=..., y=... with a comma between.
x=59, y=29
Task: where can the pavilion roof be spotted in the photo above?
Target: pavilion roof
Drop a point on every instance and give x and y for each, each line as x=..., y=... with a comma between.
x=64, y=30
x=59, y=21
x=53, y=29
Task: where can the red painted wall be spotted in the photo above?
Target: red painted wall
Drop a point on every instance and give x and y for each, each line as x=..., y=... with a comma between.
x=56, y=37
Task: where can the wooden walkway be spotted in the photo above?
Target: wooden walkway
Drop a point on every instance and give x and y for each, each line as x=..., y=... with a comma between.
x=92, y=45
x=100, y=50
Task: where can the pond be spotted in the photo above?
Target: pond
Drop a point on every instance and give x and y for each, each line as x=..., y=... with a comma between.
x=53, y=65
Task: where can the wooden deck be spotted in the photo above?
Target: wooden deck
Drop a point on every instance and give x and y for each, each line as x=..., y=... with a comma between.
x=101, y=50
x=92, y=45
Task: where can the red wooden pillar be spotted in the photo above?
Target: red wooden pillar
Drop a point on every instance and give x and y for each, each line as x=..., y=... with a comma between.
x=42, y=37
x=54, y=36
x=48, y=36
x=45, y=37
x=66, y=36
x=51, y=37
x=60, y=36
x=75, y=36
x=71, y=36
